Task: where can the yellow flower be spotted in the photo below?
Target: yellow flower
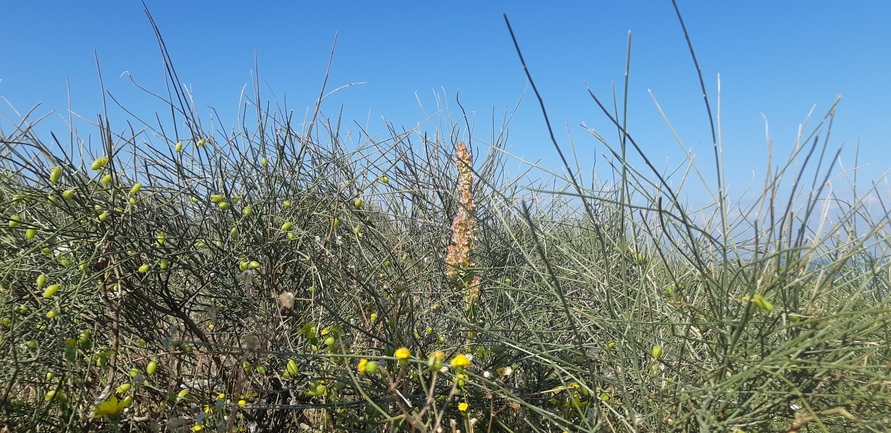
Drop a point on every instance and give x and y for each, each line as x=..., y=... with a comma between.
x=460, y=361
x=361, y=367
x=402, y=353
x=462, y=407
x=112, y=406
x=197, y=428
x=241, y=403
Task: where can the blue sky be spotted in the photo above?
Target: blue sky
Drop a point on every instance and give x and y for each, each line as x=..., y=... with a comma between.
x=775, y=58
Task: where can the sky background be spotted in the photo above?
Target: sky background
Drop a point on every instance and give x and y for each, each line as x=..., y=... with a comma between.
x=776, y=59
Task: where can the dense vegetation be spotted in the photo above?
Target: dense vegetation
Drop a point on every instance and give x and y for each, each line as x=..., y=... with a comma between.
x=274, y=278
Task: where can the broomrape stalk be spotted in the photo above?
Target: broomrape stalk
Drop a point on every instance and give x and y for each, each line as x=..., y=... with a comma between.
x=458, y=258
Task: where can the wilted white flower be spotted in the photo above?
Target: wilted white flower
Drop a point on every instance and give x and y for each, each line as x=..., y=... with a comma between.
x=286, y=299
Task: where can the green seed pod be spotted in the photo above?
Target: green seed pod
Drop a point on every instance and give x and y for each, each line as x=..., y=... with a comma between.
x=358, y=203
x=123, y=388
x=136, y=187
x=223, y=205
x=57, y=396
x=292, y=367
x=286, y=226
x=99, y=163
x=233, y=233
x=202, y=142
x=286, y=204
x=41, y=280
x=14, y=220
x=762, y=302
x=263, y=161
x=151, y=367
x=106, y=179
x=143, y=269
x=247, y=211
x=68, y=194
x=216, y=198
x=385, y=179
x=30, y=233
x=179, y=147
x=55, y=174
x=656, y=352
x=50, y=291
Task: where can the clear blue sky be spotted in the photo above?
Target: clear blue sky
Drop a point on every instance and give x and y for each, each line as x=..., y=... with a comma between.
x=776, y=58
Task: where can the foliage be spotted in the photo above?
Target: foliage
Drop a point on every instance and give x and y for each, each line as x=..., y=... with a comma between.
x=275, y=279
